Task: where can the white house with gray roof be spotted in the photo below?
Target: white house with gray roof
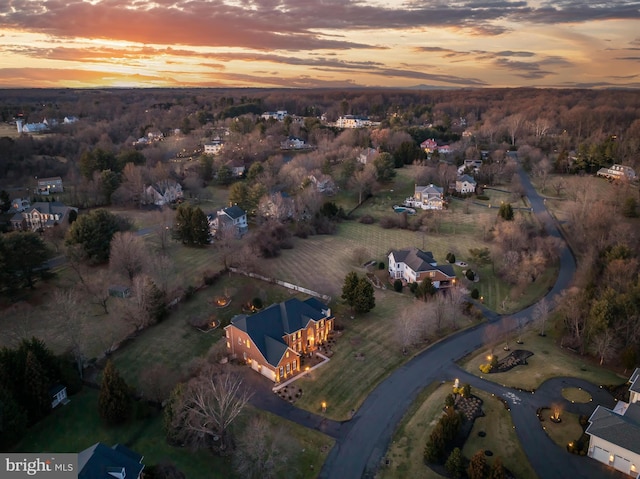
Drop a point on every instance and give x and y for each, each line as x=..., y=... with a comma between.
x=429, y=197
x=412, y=265
x=615, y=434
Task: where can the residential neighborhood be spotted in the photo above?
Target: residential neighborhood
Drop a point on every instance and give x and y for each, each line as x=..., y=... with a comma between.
x=358, y=283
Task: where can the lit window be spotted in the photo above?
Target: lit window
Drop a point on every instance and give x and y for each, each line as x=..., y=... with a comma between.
x=295, y=366
x=288, y=368
x=227, y=333
x=287, y=355
x=239, y=341
x=281, y=371
x=248, y=344
x=228, y=345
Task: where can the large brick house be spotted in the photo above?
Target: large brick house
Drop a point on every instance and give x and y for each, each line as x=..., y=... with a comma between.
x=273, y=340
x=41, y=215
x=614, y=435
x=413, y=265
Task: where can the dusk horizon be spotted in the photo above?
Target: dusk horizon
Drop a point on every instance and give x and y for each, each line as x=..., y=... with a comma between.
x=307, y=45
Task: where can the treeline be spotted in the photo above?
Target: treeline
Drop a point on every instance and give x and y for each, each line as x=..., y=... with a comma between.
x=27, y=375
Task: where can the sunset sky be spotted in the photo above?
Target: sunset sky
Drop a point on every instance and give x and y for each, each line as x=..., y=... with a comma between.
x=319, y=43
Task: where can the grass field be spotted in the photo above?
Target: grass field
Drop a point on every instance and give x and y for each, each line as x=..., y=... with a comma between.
x=9, y=130
x=563, y=432
x=406, y=451
x=77, y=426
x=174, y=343
x=500, y=438
x=368, y=335
x=548, y=361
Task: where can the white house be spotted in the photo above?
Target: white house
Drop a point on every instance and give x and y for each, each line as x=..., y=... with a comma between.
x=279, y=115
x=367, y=156
x=163, y=192
x=324, y=183
x=293, y=143
x=428, y=197
x=413, y=265
x=470, y=165
x=617, y=172
x=466, y=184
x=226, y=218
x=46, y=186
x=615, y=434
x=213, y=148
x=352, y=121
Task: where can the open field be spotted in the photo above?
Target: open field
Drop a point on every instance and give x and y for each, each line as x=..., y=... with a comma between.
x=77, y=426
x=501, y=438
x=406, y=451
x=548, y=361
x=9, y=130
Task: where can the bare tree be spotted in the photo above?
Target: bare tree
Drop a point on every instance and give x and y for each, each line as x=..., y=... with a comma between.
x=264, y=452
x=209, y=405
x=408, y=326
x=138, y=309
x=439, y=309
x=67, y=304
x=514, y=124
x=156, y=382
x=604, y=345
x=128, y=255
x=541, y=315
x=363, y=180
x=455, y=298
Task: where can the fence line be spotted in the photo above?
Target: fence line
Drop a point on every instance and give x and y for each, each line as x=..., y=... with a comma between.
x=292, y=286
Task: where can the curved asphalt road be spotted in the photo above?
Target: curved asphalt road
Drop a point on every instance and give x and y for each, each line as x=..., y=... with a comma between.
x=362, y=442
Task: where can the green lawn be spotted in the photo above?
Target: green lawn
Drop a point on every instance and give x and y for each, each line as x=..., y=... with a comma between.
x=406, y=450
x=77, y=426
x=562, y=433
x=500, y=438
x=174, y=343
x=344, y=382
x=548, y=361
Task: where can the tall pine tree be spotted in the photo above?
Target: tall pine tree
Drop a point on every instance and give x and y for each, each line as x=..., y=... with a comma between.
x=114, y=403
x=36, y=388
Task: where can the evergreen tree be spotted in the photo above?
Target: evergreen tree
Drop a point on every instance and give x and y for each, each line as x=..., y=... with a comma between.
x=94, y=232
x=455, y=464
x=13, y=419
x=24, y=252
x=200, y=227
x=506, y=211
x=114, y=403
x=5, y=201
x=364, y=298
x=425, y=288
x=191, y=226
x=349, y=288
x=36, y=389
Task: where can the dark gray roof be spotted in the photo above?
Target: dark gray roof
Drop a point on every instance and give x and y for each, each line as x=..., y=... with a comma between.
x=420, y=261
x=623, y=431
x=268, y=327
x=96, y=461
x=234, y=212
x=635, y=381
x=467, y=178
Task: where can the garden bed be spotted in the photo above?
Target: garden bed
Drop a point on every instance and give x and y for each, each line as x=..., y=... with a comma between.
x=516, y=358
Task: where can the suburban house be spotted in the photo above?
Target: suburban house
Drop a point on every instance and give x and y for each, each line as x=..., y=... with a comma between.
x=367, y=156
x=615, y=434
x=278, y=205
x=470, y=165
x=214, y=147
x=618, y=172
x=46, y=186
x=58, y=395
x=324, y=184
x=428, y=197
x=413, y=265
x=232, y=217
x=466, y=184
x=429, y=145
x=293, y=143
x=272, y=341
x=103, y=462
x=352, y=121
x=41, y=215
x=163, y=192
x=279, y=115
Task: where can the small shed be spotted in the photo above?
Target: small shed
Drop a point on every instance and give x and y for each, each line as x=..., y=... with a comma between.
x=119, y=291
x=58, y=394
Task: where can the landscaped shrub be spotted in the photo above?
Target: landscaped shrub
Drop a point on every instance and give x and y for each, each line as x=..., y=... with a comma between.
x=388, y=222
x=397, y=285
x=475, y=294
x=366, y=220
x=451, y=258
x=257, y=303
x=485, y=368
x=189, y=292
x=470, y=275
x=413, y=287
x=381, y=265
x=482, y=197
